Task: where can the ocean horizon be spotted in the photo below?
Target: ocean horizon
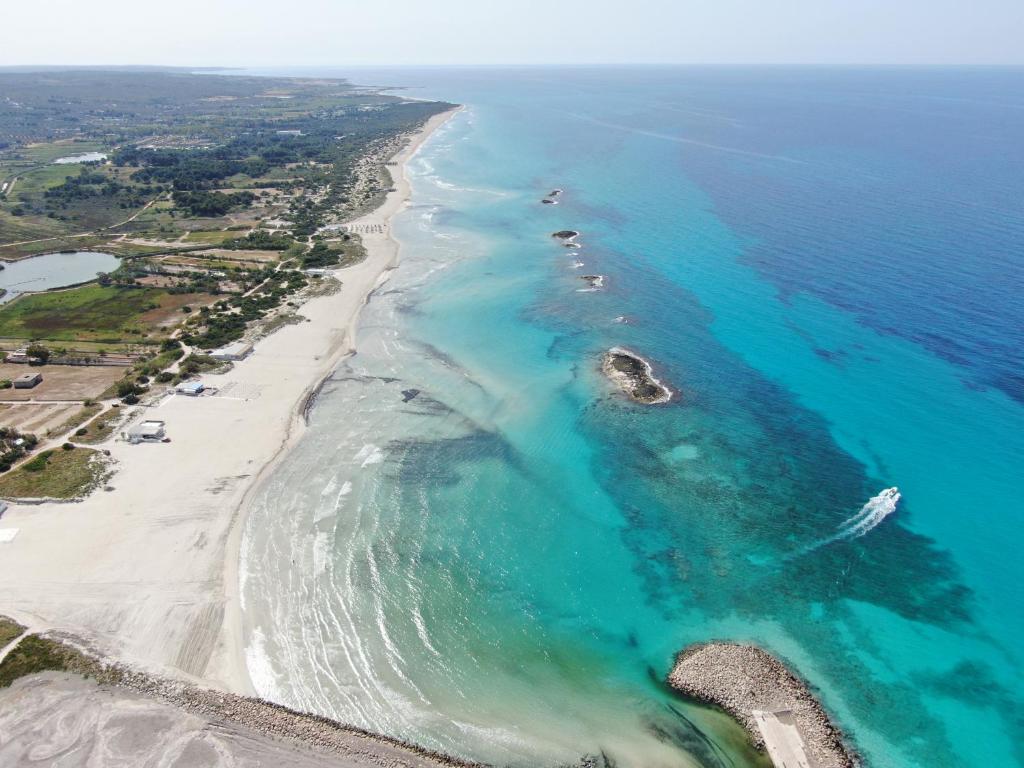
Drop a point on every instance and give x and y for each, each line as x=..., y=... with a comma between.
x=481, y=546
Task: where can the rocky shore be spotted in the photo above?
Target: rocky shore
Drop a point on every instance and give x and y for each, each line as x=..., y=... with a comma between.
x=245, y=726
x=743, y=679
x=280, y=722
x=634, y=376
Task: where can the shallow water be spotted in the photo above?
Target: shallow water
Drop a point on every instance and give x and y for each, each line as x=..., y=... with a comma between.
x=502, y=563
x=87, y=157
x=53, y=270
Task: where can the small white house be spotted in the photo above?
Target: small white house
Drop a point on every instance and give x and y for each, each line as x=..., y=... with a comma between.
x=238, y=350
x=191, y=388
x=148, y=432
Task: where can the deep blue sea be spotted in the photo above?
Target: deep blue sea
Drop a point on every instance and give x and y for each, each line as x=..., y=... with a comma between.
x=481, y=546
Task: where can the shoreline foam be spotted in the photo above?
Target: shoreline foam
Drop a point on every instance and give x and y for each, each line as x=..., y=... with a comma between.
x=383, y=250
x=148, y=572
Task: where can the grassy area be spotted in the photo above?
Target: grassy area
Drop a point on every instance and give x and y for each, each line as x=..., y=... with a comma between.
x=9, y=629
x=103, y=426
x=211, y=237
x=40, y=654
x=49, y=151
x=14, y=229
x=90, y=312
x=34, y=182
x=56, y=474
x=82, y=416
x=53, y=243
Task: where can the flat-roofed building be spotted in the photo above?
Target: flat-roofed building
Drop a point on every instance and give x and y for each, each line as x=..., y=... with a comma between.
x=191, y=388
x=150, y=431
x=238, y=350
x=28, y=380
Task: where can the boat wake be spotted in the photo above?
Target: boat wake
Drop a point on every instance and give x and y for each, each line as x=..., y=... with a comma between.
x=866, y=520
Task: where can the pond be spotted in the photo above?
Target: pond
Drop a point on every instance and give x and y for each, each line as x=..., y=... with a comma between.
x=87, y=157
x=53, y=270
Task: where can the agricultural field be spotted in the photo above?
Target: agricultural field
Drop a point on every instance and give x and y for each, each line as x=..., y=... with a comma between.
x=215, y=192
x=60, y=382
x=95, y=313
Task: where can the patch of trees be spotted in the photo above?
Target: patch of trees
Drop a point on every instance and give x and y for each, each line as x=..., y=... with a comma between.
x=230, y=322
x=320, y=255
x=187, y=169
x=37, y=354
x=260, y=240
x=211, y=204
x=14, y=445
x=91, y=184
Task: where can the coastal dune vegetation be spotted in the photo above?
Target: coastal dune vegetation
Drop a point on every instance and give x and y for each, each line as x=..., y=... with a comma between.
x=214, y=192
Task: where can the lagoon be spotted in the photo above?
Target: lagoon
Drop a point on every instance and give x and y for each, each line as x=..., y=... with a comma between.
x=53, y=270
x=86, y=157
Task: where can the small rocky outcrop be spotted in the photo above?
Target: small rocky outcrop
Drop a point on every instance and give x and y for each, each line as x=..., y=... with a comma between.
x=634, y=376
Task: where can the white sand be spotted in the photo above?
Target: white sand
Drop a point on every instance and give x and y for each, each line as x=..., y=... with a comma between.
x=148, y=572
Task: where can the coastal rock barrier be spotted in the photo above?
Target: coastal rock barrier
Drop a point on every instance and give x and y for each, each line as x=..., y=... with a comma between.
x=257, y=716
x=743, y=679
x=634, y=376
x=278, y=721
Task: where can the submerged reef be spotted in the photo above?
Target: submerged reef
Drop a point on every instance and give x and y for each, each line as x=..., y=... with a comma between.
x=634, y=376
x=750, y=683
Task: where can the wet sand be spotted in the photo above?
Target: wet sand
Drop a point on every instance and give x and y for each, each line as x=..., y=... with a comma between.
x=148, y=572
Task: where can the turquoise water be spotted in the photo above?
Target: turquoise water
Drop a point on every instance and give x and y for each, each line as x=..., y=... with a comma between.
x=481, y=547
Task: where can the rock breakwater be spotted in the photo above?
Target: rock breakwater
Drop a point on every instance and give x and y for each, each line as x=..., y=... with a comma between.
x=743, y=680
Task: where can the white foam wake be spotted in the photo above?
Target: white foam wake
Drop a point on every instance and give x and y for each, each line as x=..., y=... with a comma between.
x=866, y=520
x=871, y=514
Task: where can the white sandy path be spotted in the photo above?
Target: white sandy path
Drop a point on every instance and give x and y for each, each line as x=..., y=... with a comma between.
x=148, y=571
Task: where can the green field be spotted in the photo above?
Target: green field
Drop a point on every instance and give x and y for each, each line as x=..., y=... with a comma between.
x=212, y=237
x=9, y=629
x=91, y=312
x=34, y=182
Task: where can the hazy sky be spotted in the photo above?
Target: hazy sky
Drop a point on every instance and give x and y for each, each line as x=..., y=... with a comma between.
x=347, y=32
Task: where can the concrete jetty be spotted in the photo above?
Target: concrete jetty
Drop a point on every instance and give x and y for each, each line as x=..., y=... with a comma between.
x=774, y=705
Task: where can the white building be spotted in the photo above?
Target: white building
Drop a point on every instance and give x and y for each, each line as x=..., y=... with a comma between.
x=148, y=432
x=238, y=350
x=191, y=388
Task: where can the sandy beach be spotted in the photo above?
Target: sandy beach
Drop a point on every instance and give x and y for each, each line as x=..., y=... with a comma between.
x=147, y=572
